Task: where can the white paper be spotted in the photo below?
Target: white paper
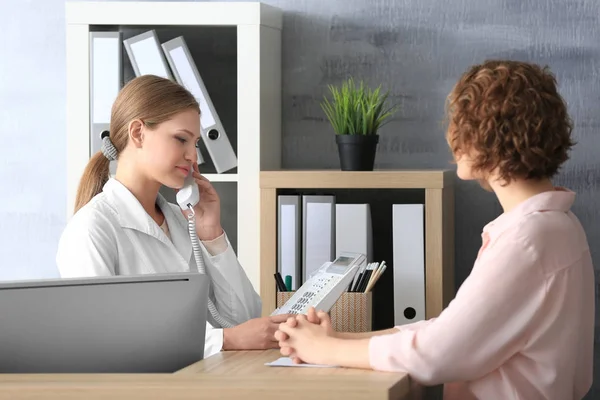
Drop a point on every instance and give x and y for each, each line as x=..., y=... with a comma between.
x=287, y=362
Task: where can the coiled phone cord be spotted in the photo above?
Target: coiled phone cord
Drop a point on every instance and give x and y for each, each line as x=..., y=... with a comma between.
x=202, y=269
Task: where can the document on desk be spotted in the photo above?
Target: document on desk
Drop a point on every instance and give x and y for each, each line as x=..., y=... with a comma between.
x=287, y=362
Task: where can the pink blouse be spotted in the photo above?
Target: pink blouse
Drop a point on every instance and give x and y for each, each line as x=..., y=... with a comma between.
x=521, y=325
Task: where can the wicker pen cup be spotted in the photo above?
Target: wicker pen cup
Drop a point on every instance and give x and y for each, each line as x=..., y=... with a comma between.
x=351, y=313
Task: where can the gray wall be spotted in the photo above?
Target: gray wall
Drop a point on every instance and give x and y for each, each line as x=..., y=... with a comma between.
x=416, y=48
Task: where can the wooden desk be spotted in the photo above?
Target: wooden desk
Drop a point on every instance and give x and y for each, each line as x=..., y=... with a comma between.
x=225, y=375
x=304, y=383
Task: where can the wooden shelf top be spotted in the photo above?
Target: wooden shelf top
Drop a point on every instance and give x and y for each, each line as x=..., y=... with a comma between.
x=337, y=179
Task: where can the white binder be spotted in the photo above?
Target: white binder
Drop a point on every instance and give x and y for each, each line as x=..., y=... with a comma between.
x=289, y=238
x=318, y=233
x=353, y=230
x=106, y=79
x=187, y=75
x=409, y=263
x=146, y=56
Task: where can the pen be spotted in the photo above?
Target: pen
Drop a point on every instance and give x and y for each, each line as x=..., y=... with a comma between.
x=282, y=283
x=366, y=279
x=369, y=274
x=379, y=273
x=357, y=277
x=279, y=282
x=372, y=277
x=376, y=273
x=361, y=278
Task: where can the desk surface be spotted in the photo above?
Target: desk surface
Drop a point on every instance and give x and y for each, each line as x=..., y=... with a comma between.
x=302, y=383
x=224, y=375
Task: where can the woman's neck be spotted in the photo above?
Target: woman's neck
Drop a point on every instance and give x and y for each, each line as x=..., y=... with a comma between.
x=144, y=190
x=519, y=190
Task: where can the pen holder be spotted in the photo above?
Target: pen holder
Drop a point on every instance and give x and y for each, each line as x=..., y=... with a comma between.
x=351, y=313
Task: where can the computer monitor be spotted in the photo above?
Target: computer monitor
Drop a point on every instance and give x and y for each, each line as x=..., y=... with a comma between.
x=142, y=323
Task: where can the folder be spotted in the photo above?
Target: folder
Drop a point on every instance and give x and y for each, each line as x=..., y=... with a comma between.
x=146, y=56
x=213, y=134
x=106, y=79
x=408, y=262
x=289, y=239
x=318, y=233
x=353, y=229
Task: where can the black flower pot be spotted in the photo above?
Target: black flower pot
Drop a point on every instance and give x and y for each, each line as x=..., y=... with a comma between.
x=357, y=152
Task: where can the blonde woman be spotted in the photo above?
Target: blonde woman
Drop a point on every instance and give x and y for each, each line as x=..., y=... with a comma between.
x=123, y=226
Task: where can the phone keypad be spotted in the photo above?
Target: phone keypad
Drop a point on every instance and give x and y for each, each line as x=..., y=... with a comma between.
x=302, y=302
x=320, y=289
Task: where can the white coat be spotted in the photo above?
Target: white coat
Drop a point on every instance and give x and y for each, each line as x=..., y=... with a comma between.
x=114, y=235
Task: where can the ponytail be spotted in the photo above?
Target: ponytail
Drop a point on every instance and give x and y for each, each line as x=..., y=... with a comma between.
x=93, y=179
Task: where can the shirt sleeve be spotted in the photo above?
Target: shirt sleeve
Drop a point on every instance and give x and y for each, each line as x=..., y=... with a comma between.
x=217, y=245
x=213, y=342
x=415, y=325
x=481, y=328
x=234, y=295
x=87, y=247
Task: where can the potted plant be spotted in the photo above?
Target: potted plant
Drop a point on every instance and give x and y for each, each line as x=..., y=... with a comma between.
x=356, y=113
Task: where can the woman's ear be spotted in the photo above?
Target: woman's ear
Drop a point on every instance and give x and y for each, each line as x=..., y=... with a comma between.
x=136, y=132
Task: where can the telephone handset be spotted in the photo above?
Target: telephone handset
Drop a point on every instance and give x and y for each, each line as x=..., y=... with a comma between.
x=187, y=197
x=325, y=286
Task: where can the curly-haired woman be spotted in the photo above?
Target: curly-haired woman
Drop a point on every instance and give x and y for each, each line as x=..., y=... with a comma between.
x=521, y=325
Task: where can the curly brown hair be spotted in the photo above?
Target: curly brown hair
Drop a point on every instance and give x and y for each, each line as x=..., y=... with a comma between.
x=508, y=116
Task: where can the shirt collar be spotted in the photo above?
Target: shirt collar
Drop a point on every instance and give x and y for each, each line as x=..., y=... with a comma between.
x=560, y=199
x=132, y=215
x=130, y=212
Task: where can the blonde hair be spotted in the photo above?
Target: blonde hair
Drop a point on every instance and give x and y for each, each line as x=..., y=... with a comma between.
x=151, y=99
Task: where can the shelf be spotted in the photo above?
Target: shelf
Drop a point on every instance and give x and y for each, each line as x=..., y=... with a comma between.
x=221, y=177
x=172, y=13
x=438, y=194
x=337, y=179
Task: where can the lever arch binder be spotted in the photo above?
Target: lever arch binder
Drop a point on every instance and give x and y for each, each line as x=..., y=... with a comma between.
x=409, y=263
x=318, y=232
x=289, y=239
x=353, y=229
x=147, y=58
x=145, y=55
x=213, y=134
x=106, y=79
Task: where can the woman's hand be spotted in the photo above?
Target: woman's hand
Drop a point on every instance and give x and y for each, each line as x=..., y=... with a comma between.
x=254, y=334
x=310, y=338
x=319, y=318
x=208, y=209
x=305, y=341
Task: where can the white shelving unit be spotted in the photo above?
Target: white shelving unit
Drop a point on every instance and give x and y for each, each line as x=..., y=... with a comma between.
x=258, y=31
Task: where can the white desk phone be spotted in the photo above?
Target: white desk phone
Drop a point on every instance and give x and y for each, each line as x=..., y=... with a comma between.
x=325, y=286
